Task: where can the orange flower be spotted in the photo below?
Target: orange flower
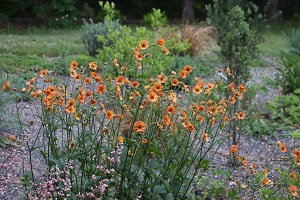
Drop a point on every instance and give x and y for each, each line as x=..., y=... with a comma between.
x=190, y=127
x=12, y=138
x=265, y=172
x=71, y=102
x=144, y=141
x=59, y=102
x=234, y=149
x=72, y=145
x=212, y=121
x=87, y=80
x=152, y=97
x=37, y=93
x=283, y=148
x=144, y=44
x=296, y=155
x=135, y=84
x=223, y=103
x=166, y=120
x=228, y=71
x=5, y=85
x=30, y=87
x=266, y=181
x=73, y=64
x=101, y=89
x=93, y=66
x=109, y=114
x=162, y=78
x=197, y=89
x=119, y=116
x=43, y=73
x=139, y=126
x=158, y=87
x=165, y=50
x=231, y=100
x=94, y=74
x=188, y=69
x=120, y=80
x=138, y=55
x=115, y=62
x=242, y=88
x=89, y=93
x=93, y=102
x=174, y=82
x=160, y=42
x=241, y=115
x=23, y=90
x=78, y=77
x=182, y=74
x=293, y=189
x=205, y=137
x=71, y=109
x=200, y=118
x=73, y=73
x=102, y=106
x=172, y=97
x=81, y=98
x=120, y=139
x=171, y=109
x=293, y=175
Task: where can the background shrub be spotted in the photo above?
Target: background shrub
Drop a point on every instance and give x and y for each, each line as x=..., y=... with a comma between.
x=286, y=109
x=294, y=40
x=91, y=30
x=288, y=76
x=156, y=18
x=217, y=15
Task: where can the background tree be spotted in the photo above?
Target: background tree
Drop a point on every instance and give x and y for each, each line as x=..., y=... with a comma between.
x=187, y=11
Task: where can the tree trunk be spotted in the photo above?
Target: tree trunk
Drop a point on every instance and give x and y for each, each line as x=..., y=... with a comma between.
x=273, y=11
x=187, y=11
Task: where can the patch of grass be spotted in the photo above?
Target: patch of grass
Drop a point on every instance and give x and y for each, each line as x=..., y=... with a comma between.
x=20, y=64
x=274, y=42
x=30, y=64
x=42, y=43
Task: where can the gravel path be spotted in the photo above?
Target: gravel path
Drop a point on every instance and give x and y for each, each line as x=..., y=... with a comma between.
x=258, y=151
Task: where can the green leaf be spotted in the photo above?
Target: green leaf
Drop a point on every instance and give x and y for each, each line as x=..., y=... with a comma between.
x=159, y=189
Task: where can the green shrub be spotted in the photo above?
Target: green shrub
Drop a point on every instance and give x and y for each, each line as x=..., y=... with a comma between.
x=90, y=32
x=125, y=39
x=286, y=108
x=239, y=48
x=294, y=40
x=109, y=12
x=288, y=76
x=217, y=13
x=156, y=18
x=59, y=14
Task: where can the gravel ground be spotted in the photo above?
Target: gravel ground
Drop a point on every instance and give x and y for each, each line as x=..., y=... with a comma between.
x=260, y=152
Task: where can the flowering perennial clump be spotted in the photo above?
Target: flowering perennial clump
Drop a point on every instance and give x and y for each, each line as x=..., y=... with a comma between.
x=128, y=134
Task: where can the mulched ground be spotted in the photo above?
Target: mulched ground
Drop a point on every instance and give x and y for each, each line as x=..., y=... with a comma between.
x=262, y=152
